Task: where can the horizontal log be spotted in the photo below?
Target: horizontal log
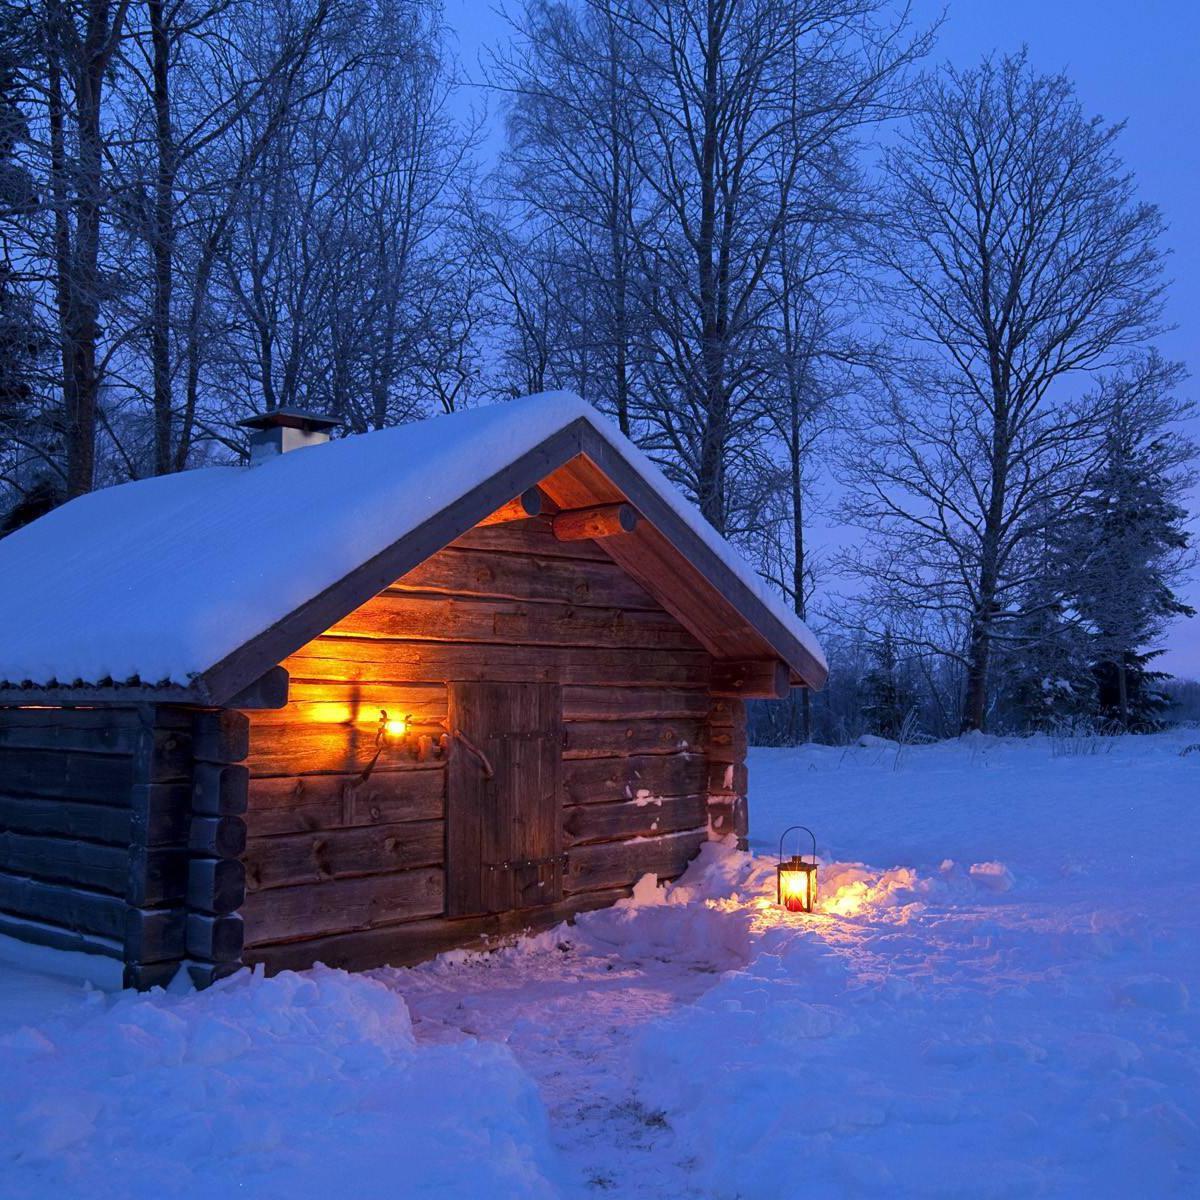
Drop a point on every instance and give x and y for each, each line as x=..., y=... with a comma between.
x=216, y=885
x=155, y=934
x=644, y=818
x=205, y=974
x=726, y=744
x=603, y=739
x=330, y=702
x=222, y=736
x=341, y=905
x=157, y=875
x=290, y=804
x=217, y=837
x=220, y=789
x=327, y=702
x=169, y=751
x=286, y=860
x=767, y=679
x=370, y=660
x=40, y=933
x=621, y=864
x=726, y=710
x=66, y=860
x=520, y=508
x=415, y=941
x=532, y=539
x=423, y=617
x=598, y=521
x=268, y=691
x=161, y=813
x=347, y=749
x=600, y=780
x=727, y=778
x=94, y=731
x=60, y=904
x=565, y=581
x=583, y=703
x=70, y=775
x=215, y=939
x=158, y=815
x=727, y=814
x=66, y=818
x=147, y=934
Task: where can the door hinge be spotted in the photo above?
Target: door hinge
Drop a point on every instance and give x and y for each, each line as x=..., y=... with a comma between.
x=519, y=863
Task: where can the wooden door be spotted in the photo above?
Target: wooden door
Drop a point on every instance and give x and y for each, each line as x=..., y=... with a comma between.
x=503, y=806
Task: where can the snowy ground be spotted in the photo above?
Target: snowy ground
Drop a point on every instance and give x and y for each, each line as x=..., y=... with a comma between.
x=1000, y=999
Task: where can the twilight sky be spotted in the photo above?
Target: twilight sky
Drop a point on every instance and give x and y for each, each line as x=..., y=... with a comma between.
x=1132, y=62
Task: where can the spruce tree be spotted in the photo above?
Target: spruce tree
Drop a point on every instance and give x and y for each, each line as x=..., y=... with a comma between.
x=887, y=698
x=1127, y=543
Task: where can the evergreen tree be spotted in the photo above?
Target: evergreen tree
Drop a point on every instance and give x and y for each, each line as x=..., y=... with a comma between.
x=887, y=698
x=1045, y=677
x=1127, y=545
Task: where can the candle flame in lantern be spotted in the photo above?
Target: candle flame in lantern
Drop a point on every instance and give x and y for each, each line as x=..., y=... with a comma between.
x=793, y=889
x=396, y=727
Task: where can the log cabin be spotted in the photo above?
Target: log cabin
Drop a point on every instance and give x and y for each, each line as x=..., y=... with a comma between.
x=370, y=698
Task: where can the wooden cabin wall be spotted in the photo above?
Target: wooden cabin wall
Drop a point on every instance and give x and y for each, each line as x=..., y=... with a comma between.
x=119, y=836
x=329, y=854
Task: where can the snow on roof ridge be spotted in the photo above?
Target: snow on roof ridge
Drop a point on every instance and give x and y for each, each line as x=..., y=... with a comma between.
x=112, y=587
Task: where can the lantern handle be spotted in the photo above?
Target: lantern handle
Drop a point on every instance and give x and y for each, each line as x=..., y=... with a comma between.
x=792, y=829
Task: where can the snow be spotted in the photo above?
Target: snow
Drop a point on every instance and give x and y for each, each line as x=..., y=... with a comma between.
x=997, y=998
x=163, y=578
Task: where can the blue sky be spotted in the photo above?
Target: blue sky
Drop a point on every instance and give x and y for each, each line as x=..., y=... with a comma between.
x=1132, y=62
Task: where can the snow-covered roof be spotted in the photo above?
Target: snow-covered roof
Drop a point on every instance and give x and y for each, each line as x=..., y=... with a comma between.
x=162, y=579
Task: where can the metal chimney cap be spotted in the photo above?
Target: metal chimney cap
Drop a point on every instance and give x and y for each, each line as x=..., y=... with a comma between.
x=291, y=418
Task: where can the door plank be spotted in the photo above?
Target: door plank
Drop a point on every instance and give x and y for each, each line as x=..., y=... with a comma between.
x=513, y=816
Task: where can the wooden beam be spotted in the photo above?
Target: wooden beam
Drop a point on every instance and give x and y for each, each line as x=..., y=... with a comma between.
x=403, y=944
x=763, y=679
x=249, y=661
x=710, y=595
x=216, y=885
x=621, y=864
x=219, y=789
x=527, y=504
x=215, y=938
x=269, y=690
x=601, y=520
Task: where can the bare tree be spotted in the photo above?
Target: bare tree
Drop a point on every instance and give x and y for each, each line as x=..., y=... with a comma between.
x=175, y=59
x=79, y=46
x=744, y=100
x=1017, y=255
x=574, y=127
x=338, y=257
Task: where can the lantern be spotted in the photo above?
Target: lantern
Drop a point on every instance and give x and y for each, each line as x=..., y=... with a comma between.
x=796, y=880
x=391, y=729
x=391, y=733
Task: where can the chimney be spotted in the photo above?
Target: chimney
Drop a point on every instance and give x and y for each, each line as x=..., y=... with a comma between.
x=284, y=429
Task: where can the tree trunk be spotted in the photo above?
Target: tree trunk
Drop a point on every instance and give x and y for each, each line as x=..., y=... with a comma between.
x=978, y=654
x=163, y=240
x=1122, y=666
x=710, y=484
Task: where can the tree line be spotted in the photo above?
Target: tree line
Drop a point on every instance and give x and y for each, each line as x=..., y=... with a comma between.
x=805, y=270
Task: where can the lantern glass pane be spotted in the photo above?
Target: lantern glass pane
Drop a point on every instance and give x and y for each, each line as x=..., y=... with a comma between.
x=793, y=890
